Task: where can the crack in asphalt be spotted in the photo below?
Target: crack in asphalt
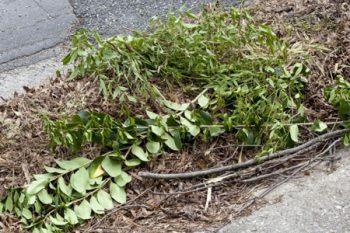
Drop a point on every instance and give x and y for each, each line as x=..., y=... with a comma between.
x=41, y=7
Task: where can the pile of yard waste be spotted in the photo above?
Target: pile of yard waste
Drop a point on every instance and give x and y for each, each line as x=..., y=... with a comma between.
x=176, y=128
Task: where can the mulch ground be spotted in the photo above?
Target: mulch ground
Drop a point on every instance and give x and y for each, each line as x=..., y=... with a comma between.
x=164, y=206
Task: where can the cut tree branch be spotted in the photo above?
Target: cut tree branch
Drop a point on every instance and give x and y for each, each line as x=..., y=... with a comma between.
x=245, y=164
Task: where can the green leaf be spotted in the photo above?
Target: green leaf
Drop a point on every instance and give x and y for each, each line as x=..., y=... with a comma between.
x=80, y=180
x=73, y=164
x=112, y=166
x=176, y=106
x=157, y=130
x=67, y=58
x=58, y=222
x=105, y=199
x=9, y=203
x=95, y=169
x=83, y=210
x=203, y=101
x=66, y=189
x=194, y=130
x=95, y=206
x=44, y=197
x=153, y=147
x=54, y=170
x=294, y=132
x=70, y=216
x=26, y=213
x=189, y=25
x=216, y=131
x=31, y=200
x=103, y=88
x=1, y=207
x=346, y=139
x=152, y=115
x=117, y=193
x=319, y=126
x=132, y=162
x=170, y=142
x=36, y=186
x=139, y=153
x=45, y=176
x=123, y=179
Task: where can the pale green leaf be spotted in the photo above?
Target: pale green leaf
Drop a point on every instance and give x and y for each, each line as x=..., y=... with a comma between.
x=176, y=106
x=132, y=162
x=95, y=206
x=70, y=216
x=26, y=213
x=95, y=169
x=105, y=199
x=57, y=222
x=54, y=170
x=159, y=131
x=36, y=186
x=45, y=176
x=9, y=204
x=66, y=189
x=117, y=193
x=80, y=180
x=44, y=197
x=216, y=131
x=112, y=166
x=123, y=179
x=194, y=130
x=294, y=132
x=203, y=101
x=73, y=164
x=319, y=126
x=170, y=142
x=83, y=210
x=31, y=199
x=139, y=153
x=153, y=147
x=152, y=115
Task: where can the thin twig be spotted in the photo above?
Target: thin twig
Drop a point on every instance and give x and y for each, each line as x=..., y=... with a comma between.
x=332, y=145
x=245, y=164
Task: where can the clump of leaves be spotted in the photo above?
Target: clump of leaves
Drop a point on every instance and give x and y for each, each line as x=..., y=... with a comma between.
x=252, y=75
x=68, y=194
x=339, y=96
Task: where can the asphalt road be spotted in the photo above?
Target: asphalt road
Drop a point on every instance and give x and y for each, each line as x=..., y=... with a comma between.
x=319, y=203
x=31, y=26
x=111, y=17
x=28, y=28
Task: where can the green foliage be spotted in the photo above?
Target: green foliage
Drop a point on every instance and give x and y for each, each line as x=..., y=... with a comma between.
x=66, y=196
x=252, y=88
x=250, y=73
x=73, y=190
x=339, y=97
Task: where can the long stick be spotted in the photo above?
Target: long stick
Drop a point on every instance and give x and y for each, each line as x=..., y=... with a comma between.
x=245, y=164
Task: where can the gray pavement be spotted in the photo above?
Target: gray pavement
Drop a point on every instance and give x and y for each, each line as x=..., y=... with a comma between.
x=111, y=17
x=319, y=203
x=30, y=26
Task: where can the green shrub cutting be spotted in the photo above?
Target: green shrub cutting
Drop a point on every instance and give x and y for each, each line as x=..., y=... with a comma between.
x=246, y=81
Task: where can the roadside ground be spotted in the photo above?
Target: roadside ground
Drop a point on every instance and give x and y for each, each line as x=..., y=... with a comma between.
x=31, y=53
